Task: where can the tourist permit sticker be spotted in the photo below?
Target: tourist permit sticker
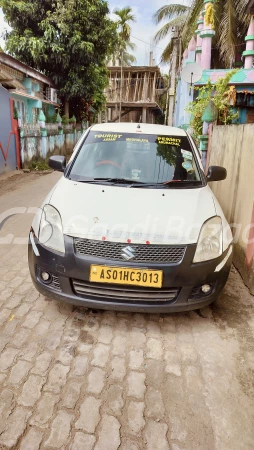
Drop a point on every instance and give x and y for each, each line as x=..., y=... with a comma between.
x=169, y=140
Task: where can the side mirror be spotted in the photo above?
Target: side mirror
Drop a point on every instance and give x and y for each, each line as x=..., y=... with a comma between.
x=57, y=163
x=216, y=173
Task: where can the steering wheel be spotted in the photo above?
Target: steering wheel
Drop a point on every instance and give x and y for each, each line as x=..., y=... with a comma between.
x=105, y=162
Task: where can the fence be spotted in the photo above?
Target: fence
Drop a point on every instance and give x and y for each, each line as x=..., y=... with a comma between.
x=35, y=146
x=232, y=147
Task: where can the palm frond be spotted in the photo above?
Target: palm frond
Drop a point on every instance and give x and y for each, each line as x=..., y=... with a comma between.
x=125, y=14
x=166, y=29
x=191, y=20
x=169, y=12
x=167, y=53
x=131, y=45
x=241, y=8
x=227, y=33
x=128, y=59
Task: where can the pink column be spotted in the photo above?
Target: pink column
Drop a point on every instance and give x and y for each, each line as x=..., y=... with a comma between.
x=207, y=36
x=249, y=52
x=200, y=24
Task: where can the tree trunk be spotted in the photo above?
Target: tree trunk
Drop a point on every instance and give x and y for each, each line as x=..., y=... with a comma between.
x=66, y=108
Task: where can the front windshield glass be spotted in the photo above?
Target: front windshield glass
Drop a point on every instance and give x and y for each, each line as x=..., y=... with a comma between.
x=151, y=159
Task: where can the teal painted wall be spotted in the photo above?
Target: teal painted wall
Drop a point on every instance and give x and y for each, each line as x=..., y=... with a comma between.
x=29, y=112
x=41, y=147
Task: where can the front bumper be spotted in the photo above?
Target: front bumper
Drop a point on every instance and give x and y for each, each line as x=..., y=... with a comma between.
x=184, y=278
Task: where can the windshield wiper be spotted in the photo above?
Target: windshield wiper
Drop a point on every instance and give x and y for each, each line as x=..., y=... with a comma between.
x=109, y=180
x=173, y=184
x=139, y=184
x=119, y=180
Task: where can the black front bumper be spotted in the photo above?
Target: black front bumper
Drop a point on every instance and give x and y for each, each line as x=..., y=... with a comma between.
x=185, y=278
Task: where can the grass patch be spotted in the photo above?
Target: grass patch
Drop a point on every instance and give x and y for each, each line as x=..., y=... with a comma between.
x=38, y=165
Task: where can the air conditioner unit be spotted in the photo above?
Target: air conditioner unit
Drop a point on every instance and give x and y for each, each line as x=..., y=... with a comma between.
x=51, y=95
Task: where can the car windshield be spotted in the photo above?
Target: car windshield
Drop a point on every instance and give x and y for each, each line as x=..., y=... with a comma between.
x=135, y=158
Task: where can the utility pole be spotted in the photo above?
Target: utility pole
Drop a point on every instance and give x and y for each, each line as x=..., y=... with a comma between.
x=172, y=87
x=167, y=107
x=121, y=88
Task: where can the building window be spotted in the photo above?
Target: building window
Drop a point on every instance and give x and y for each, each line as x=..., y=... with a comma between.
x=20, y=105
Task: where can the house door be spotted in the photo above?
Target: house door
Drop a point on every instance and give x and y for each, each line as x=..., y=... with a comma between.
x=9, y=137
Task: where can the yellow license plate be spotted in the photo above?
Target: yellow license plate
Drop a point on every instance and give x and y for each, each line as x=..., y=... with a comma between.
x=126, y=275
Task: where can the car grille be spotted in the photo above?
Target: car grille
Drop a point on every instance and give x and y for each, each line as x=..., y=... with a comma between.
x=142, y=253
x=123, y=293
x=55, y=283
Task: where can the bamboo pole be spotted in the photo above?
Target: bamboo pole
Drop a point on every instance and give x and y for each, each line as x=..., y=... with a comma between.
x=136, y=87
x=121, y=88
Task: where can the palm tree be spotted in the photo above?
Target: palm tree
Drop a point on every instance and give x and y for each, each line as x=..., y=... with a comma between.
x=176, y=15
x=125, y=16
x=231, y=22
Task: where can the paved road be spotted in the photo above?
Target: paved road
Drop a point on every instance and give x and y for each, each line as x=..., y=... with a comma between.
x=79, y=380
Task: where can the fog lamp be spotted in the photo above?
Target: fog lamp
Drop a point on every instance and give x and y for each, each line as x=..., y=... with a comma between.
x=45, y=276
x=206, y=288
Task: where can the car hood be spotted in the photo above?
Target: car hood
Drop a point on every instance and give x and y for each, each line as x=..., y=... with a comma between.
x=122, y=214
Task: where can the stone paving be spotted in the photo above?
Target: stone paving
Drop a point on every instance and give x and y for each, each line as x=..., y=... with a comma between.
x=79, y=379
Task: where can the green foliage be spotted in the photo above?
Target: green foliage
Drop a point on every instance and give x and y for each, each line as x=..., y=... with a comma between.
x=218, y=95
x=73, y=120
x=65, y=120
x=176, y=16
x=51, y=119
x=39, y=165
x=68, y=40
x=15, y=113
x=168, y=153
x=124, y=17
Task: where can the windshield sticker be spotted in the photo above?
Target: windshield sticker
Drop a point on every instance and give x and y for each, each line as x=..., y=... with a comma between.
x=168, y=140
x=135, y=174
x=136, y=140
x=108, y=137
x=187, y=166
x=187, y=155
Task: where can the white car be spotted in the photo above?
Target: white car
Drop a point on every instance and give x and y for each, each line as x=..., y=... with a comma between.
x=132, y=225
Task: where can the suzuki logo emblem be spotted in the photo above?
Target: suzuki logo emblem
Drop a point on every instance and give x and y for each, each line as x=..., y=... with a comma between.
x=128, y=253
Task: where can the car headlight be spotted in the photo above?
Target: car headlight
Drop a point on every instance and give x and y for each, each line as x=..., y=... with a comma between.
x=51, y=230
x=210, y=241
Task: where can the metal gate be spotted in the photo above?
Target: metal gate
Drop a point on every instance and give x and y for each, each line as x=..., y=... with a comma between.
x=9, y=135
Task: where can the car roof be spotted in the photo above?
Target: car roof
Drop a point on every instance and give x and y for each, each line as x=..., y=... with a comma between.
x=146, y=128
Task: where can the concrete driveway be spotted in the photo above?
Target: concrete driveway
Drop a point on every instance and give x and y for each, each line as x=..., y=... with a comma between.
x=81, y=380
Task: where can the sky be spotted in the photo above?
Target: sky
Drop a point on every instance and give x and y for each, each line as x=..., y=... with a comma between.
x=143, y=29
x=3, y=28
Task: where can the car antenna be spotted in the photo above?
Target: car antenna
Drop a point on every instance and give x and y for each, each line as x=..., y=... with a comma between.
x=139, y=122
